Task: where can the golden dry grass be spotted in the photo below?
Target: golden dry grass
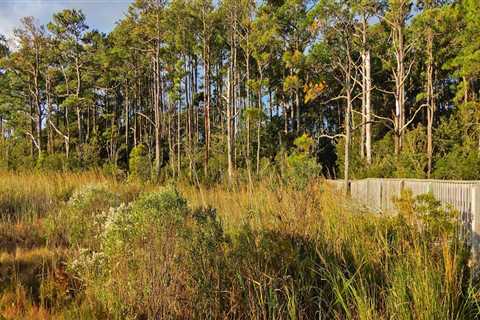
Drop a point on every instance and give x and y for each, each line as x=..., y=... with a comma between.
x=286, y=248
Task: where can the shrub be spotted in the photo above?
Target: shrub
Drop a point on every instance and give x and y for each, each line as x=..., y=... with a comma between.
x=73, y=163
x=157, y=237
x=426, y=218
x=93, y=197
x=300, y=169
x=300, y=166
x=90, y=153
x=139, y=163
x=81, y=220
x=112, y=170
x=411, y=162
x=52, y=162
x=460, y=163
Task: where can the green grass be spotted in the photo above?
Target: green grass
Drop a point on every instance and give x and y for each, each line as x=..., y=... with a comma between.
x=103, y=249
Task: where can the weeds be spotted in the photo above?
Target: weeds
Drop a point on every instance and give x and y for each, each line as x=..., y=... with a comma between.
x=142, y=252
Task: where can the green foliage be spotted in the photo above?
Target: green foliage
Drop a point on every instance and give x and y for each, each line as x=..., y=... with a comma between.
x=78, y=223
x=292, y=83
x=457, y=145
x=91, y=154
x=114, y=171
x=155, y=236
x=300, y=167
x=92, y=197
x=427, y=218
x=467, y=62
x=410, y=163
x=254, y=115
x=12, y=156
x=52, y=162
x=140, y=166
x=91, y=96
x=460, y=163
x=292, y=59
x=71, y=101
x=303, y=143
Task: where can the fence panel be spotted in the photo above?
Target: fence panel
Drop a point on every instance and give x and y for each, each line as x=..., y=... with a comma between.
x=464, y=196
x=378, y=194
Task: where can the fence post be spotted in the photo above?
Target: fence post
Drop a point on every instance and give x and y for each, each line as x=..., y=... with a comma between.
x=475, y=232
x=380, y=188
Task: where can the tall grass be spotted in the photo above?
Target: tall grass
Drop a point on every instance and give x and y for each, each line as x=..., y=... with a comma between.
x=24, y=195
x=365, y=266
x=269, y=251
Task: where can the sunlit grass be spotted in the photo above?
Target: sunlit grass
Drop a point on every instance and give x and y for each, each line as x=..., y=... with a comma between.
x=285, y=253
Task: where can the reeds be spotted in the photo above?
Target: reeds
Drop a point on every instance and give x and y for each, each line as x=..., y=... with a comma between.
x=269, y=251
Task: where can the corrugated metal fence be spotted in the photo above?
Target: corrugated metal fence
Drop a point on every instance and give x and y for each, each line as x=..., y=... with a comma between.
x=378, y=195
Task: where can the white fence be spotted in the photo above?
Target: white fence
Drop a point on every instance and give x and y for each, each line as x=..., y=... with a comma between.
x=378, y=195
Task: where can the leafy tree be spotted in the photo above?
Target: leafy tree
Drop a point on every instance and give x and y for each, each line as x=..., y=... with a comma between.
x=212, y=89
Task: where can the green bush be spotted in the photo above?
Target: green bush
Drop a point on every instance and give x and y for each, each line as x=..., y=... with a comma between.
x=410, y=163
x=461, y=163
x=139, y=163
x=112, y=170
x=427, y=219
x=80, y=221
x=93, y=197
x=300, y=167
x=157, y=237
x=52, y=162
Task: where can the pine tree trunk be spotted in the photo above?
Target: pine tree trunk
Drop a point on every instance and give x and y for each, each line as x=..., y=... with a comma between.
x=363, y=131
x=229, y=124
x=157, y=94
x=127, y=118
x=179, y=142
x=189, y=96
x=364, y=109
x=248, y=158
x=368, y=108
x=38, y=108
x=297, y=104
x=77, y=94
x=206, y=61
x=259, y=120
x=430, y=101
x=348, y=113
x=397, y=33
x=400, y=86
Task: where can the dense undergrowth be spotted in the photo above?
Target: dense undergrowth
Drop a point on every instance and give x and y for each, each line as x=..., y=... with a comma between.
x=86, y=247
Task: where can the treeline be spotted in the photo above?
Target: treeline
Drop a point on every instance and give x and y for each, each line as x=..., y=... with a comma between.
x=212, y=90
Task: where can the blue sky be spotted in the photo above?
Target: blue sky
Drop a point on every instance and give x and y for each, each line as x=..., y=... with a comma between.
x=101, y=14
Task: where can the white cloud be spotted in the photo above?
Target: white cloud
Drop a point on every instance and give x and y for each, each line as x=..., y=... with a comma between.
x=101, y=14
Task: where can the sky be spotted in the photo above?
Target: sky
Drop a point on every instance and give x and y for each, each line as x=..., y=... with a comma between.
x=100, y=14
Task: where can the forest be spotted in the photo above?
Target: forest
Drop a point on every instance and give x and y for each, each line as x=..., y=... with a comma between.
x=220, y=92
x=181, y=166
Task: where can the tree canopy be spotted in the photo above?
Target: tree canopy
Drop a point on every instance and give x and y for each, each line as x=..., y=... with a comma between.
x=221, y=90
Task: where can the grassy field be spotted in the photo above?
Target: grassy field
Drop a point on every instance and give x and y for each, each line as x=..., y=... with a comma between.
x=83, y=246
